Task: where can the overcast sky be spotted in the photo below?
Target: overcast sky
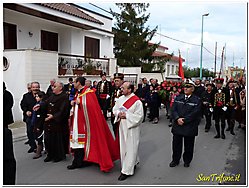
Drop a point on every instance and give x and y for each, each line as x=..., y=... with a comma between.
x=226, y=25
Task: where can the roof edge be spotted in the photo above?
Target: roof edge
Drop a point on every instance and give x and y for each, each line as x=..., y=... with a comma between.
x=78, y=6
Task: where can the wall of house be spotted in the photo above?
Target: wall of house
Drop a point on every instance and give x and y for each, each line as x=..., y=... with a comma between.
x=157, y=76
x=77, y=42
x=65, y=41
x=16, y=78
x=70, y=39
x=45, y=66
x=22, y=70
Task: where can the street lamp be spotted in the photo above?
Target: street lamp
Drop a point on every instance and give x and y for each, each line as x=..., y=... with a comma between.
x=202, y=44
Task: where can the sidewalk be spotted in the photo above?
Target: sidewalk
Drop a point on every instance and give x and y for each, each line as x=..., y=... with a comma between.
x=18, y=129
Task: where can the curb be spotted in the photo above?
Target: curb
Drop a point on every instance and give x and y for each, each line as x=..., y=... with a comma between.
x=20, y=138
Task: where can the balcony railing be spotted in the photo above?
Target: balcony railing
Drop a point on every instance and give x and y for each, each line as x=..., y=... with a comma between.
x=70, y=65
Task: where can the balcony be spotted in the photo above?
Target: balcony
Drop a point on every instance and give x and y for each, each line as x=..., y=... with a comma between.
x=75, y=65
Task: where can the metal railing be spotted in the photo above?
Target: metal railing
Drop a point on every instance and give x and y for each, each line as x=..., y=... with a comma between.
x=69, y=64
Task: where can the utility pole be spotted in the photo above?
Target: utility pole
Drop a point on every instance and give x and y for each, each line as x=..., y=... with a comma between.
x=215, y=59
x=202, y=43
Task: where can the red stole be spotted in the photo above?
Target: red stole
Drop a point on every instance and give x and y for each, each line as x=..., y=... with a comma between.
x=99, y=147
x=130, y=101
x=127, y=104
x=81, y=122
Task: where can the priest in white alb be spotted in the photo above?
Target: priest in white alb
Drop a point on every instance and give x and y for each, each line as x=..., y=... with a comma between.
x=128, y=111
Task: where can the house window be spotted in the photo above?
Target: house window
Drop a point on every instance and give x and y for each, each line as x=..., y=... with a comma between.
x=10, y=41
x=91, y=47
x=172, y=69
x=168, y=69
x=49, y=41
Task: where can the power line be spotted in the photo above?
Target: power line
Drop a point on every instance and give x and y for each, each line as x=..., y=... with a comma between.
x=100, y=8
x=164, y=35
x=178, y=40
x=187, y=43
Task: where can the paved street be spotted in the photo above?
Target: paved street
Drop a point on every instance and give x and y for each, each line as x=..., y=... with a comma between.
x=211, y=156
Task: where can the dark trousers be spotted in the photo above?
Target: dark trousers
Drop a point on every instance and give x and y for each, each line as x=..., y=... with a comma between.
x=104, y=106
x=220, y=116
x=114, y=125
x=30, y=133
x=167, y=106
x=188, y=148
x=208, y=116
x=145, y=109
x=231, y=118
x=78, y=157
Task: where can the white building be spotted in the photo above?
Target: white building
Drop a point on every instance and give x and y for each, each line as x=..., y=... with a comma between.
x=171, y=66
x=40, y=36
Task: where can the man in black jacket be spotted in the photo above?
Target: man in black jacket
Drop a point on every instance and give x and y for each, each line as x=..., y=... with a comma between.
x=103, y=93
x=142, y=91
x=206, y=99
x=9, y=162
x=27, y=103
x=219, y=101
x=8, y=103
x=186, y=118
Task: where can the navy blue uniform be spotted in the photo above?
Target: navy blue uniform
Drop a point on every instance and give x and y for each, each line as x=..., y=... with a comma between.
x=189, y=109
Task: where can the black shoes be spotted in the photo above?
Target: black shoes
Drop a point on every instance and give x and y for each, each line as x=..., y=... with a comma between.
x=31, y=150
x=170, y=125
x=72, y=167
x=217, y=136
x=223, y=136
x=173, y=164
x=228, y=129
x=26, y=142
x=186, y=165
x=47, y=159
x=232, y=132
x=57, y=160
x=123, y=177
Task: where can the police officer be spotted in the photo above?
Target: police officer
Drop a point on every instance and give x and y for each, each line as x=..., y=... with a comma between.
x=116, y=93
x=186, y=118
x=103, y=93
x=219, y=107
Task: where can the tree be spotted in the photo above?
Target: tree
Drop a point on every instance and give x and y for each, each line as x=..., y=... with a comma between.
x=131, y=36
x=195, y=72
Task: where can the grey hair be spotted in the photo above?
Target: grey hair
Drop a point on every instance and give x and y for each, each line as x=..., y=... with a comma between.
x=35, y=83
x=61, y=83
x=53, y=79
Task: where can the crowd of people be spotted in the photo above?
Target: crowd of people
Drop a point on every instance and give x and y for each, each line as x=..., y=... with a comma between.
x=72, y=118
